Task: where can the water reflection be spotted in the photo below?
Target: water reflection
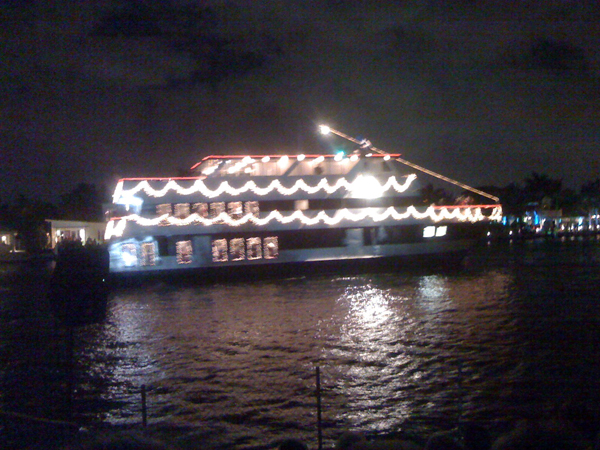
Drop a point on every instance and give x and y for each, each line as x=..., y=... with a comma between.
x=432, y=292
x=368, y=309
x=370, y=353
x=235, y=363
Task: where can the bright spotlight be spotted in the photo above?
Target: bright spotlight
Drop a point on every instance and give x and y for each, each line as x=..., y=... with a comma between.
x=324, y=129
x=366, y=187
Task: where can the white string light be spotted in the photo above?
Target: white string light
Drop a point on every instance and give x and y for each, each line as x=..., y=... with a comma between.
x=225, y=188
x=116, y=227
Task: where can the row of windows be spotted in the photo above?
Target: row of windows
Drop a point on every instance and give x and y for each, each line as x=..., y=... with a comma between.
x=238, y=209
x=239, y=249
x=223, y=250
x=236, y=248
x=206, y=210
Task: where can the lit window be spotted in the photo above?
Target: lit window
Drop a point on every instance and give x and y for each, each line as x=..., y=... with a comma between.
x=236, y=249
x=271, y=247
x=301, y=205
x=148, y=252
x=219, y=250
x=251, y=208
x=184, y=252
x=201, y=209
x=182, y=210
x=129, y=255
x=428, y=232
x=253, y=248
x=164, y=208
x=441, y=231
x=216, y=209
x=235, y=210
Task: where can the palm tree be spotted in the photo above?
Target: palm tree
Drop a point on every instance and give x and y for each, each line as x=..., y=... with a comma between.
x=540, y=188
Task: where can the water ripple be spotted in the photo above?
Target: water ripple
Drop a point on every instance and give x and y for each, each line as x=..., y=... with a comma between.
x=235, y=364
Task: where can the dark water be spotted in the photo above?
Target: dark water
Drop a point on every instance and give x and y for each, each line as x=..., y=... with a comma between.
x=511, y=334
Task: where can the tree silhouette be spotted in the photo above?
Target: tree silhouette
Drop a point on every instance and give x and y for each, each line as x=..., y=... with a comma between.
x=590, y=196
x=541, y=189
x=27, y=217
x=83, y=203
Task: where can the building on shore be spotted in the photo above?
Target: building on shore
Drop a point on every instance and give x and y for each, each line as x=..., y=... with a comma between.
x=77, y=231
x=9, y=242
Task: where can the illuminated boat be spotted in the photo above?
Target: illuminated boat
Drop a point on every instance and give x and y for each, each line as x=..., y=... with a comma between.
x=282, y=211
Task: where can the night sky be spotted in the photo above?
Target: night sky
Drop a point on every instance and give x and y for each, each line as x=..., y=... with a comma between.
x=482, y=91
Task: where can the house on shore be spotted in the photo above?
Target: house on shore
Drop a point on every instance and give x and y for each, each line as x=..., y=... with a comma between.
x=74, y=231
x=9, y=242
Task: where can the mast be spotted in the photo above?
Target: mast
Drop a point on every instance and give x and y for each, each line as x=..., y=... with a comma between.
x=366, y=144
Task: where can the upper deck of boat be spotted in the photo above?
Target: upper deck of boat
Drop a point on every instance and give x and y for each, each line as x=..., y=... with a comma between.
x=293, y=166
x=271, y=177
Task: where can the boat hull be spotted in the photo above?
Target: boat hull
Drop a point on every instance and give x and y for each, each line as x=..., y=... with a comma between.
x=394, y=258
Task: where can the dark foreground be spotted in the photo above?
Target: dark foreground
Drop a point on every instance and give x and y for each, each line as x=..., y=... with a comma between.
x=509, y=335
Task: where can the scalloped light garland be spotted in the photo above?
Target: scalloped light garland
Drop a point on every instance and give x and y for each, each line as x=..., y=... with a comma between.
x=116, y=227
x=200, y=187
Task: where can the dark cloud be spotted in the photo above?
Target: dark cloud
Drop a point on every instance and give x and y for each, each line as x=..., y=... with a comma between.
x=485, y=92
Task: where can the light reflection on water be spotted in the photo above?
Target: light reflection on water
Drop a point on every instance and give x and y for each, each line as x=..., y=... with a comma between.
x=494, y=341
x=393, y=348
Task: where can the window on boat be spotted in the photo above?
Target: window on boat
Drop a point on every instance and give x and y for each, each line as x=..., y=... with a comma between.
x=252, y=208
x=182, y=210
x=184, y=252
x=164, y=208
x=163, y=245
x=148, y=254
x=219, y=250
x=235, y=210
x=149, y=210
x=432, y=231
x=277, y=205
x=216, y=209
x=309, y=238
x=129, y=255
x=271, y=247
x=201, y=209
x=301, y=205
x=253, y=248
x=236, y=249
x=266, y=168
